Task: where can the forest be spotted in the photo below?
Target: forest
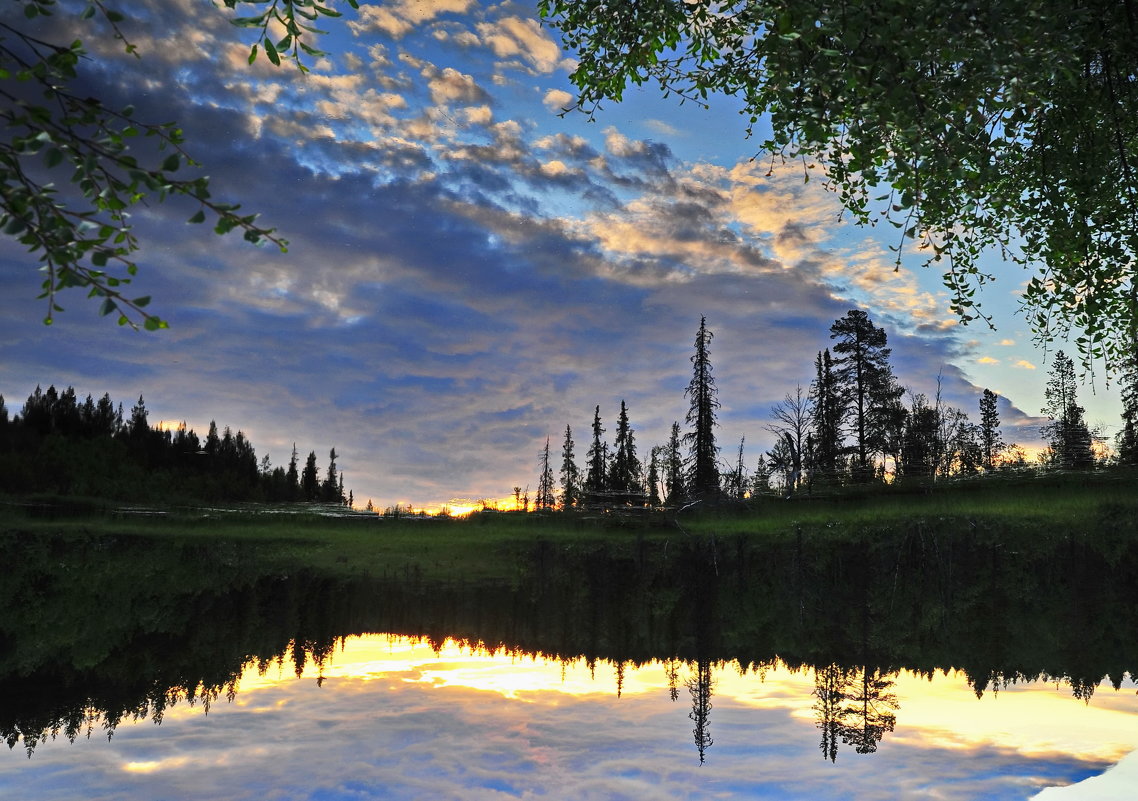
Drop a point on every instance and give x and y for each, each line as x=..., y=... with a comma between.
x=60, y=445
x=856, y=425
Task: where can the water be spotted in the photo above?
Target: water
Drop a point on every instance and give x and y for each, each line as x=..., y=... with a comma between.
x=863, y=670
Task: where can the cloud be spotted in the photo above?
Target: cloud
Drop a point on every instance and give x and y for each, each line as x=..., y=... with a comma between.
x=987, y=360
x=397, y=19
x=1024, y=364
x=523, y=40
x=557, y=100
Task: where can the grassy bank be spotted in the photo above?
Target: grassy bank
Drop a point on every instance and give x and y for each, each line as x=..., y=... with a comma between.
x=485, y=546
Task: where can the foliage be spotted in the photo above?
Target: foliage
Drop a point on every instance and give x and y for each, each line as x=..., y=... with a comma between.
x=1068, y=434
x=865, y=378
x=61, y=446
x=1009, y=126
x=108, y=159
x=570, y=474
x=703, y=467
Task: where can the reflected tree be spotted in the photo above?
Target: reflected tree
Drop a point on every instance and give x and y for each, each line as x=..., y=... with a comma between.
x=699, y=687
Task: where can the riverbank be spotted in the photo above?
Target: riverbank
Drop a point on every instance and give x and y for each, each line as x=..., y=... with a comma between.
x=486, y=546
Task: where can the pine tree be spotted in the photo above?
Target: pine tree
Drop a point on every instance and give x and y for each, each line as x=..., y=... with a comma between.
x=310, y=479
x=545, y=500
x=292, y=477
x=991, y=443
x=570, y=475
x=1127, y=439
x=654, y=478
x=863, y=371
x=329, y=489
x=624, y=477
x=675, y=491
x=1068, y=434
x=828, y=407
x=596, y=479
x=703, y=480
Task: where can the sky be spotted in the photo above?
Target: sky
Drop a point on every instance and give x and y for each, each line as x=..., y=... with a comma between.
x=393, y=718
x=471, y=269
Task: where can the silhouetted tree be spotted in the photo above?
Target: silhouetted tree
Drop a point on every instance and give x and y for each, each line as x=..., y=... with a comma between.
x=292, y=477
x=310, y=479
x=921, y=445
x=1067, y=433
x=828, y=407
x=703, y=478
x=545, y=500
x=330, y=488
x=570, y=474
x=675, y=490
x=624, y=475
x=699, y=686
x=653, y=477
x=596, y=478
x=991, y=443
x=831, y=688
x=863, y=370
x=792, y=418
x=1127, y=439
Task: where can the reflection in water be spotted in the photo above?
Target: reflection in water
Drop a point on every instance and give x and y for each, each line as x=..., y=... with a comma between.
x=188, y=624
x=388, y=716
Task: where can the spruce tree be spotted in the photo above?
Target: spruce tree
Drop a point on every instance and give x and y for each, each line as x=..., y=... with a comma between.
x=545, y=500
x=570, y=474
x=828, y=408
x=863, y=370
x=1067, y=433
x=1127, y=439
x=292, y=477
x=624, y=477
x=330, y=490
x=310, y=479
x=703, y=479
x=991, y=443
x=596, y=478
x=654, y=499
x=675, y=491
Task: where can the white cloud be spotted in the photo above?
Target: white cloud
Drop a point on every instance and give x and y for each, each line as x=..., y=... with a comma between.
x=524, y=39
x=557, y=100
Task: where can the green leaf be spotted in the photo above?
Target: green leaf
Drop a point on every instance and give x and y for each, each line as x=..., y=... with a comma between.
x=253, y=54
x=171, y=163
x=198, y=218
x=107, y=307
x=271, y=53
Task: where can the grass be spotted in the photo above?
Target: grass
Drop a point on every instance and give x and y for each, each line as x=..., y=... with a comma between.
x=486, y=546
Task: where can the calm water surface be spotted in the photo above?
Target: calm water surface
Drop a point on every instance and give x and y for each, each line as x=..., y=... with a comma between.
x=395, y=717
x=933, y=664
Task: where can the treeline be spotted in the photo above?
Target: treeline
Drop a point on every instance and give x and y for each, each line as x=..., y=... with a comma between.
x=60, y=445
x=855, y=424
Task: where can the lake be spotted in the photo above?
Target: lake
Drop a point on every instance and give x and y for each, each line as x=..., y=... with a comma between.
x=901, y=668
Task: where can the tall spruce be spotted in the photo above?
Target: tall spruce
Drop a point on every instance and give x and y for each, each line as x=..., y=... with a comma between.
x=292, y=477
x=675, y=490
x=991, y=443
x=1067, y=432
x=310, y=479
x=863, y=370
x=570, y=474
x=828, y=407
x=596, y=476
x=330, y=489
x=545, y=500
x=1127, y=438
x=703, y=478
x=624, y=480
x=654, y=498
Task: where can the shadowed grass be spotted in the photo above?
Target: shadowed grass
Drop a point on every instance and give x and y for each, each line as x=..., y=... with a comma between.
x=486, y=546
